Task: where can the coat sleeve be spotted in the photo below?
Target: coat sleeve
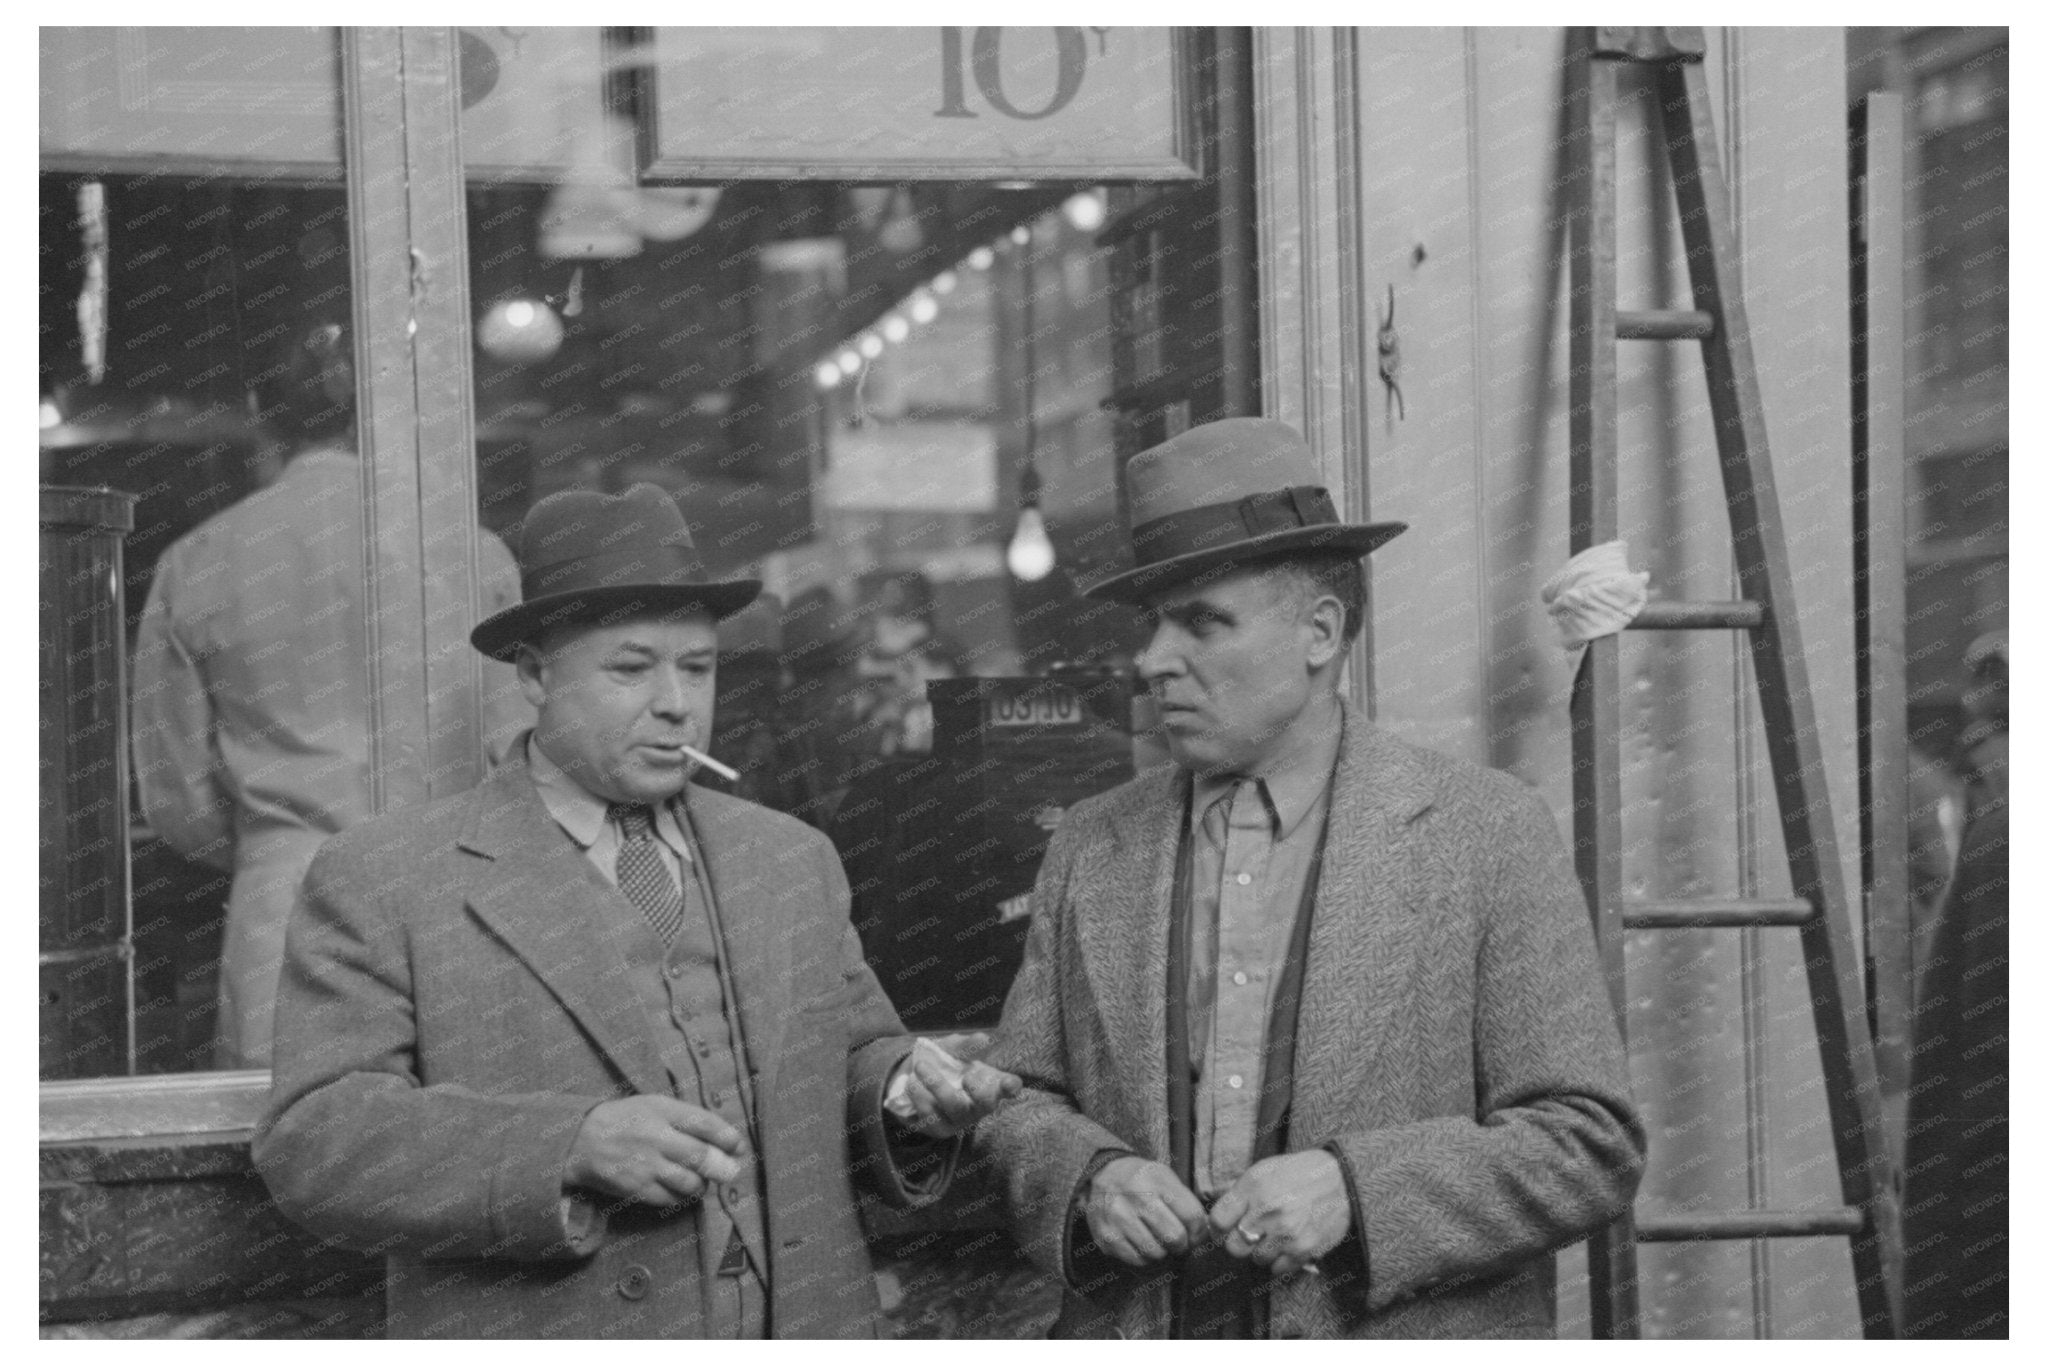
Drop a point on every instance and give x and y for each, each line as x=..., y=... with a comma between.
x=1556, y=1146
x=355, y=1148
x=1040, y=1144
x=178, y=768
x=905, y=1169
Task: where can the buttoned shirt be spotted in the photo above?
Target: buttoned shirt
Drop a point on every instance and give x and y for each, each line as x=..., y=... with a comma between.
x=687, y=994
x=1255, y=841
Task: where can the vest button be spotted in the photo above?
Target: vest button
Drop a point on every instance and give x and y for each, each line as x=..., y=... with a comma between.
x=672, y=971
x=633, y=1285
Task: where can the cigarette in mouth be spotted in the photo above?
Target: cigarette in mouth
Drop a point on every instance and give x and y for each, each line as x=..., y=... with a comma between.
x=726, y=771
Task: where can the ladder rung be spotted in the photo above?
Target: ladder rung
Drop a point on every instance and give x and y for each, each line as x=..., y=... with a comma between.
x=1699, y=616
x=1705, y=914
x=1663, y=324
x=1838, y=1221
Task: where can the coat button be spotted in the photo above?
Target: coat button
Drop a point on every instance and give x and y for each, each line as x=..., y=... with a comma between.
x=633, y=1285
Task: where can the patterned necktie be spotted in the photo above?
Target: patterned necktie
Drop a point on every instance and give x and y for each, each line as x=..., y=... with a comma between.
x=643, y=877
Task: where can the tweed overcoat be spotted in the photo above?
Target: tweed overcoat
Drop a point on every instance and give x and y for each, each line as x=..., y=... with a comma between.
x=448, y=1015
x=1456, y=1050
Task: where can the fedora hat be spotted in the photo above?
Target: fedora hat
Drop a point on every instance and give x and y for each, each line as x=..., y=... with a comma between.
x=584, y=554
x=1224, y=494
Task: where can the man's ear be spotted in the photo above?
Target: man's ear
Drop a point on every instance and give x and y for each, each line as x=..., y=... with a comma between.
x=1325, y=625
x=532, y=670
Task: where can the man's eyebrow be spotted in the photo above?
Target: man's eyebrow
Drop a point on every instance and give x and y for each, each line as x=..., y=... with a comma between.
x=1195, y=608
x=631, y=647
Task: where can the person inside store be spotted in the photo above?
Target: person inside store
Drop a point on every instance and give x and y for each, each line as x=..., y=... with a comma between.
x=1315, y=1040
x=1958, y=1116
x=251, y=676
x=823, y=734
x=591, y=1050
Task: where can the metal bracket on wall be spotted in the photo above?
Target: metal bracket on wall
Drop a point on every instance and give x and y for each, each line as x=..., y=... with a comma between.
x=1390, y=358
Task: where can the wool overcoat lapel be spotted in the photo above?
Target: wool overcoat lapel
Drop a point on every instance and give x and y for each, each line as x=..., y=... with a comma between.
x=1364, y=937
x=537, y=897
x=1362, y=941
x=1123, y=939
x=742, y=860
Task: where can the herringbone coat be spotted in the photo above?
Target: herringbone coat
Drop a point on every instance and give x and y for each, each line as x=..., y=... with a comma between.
x=1456, y=1047
x=448, y=1015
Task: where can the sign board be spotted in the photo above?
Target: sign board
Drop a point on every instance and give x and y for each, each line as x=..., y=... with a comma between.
x=267, y=101
x=944, y=103
x=913, y=467
x=191, y=100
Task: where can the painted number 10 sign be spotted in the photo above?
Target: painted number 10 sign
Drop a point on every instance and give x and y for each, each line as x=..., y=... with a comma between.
x=998, y=103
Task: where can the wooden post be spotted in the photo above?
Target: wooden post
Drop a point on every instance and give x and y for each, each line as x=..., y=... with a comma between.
x=407, y=229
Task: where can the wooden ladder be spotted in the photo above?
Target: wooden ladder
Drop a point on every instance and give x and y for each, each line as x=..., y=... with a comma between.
x=1819, y=908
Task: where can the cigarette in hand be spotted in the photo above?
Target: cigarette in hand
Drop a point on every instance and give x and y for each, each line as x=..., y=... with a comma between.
x=727, y=771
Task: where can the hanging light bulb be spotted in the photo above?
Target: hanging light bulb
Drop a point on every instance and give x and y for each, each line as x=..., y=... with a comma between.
x=895, y=327
x=827, y=374
x=923, y=308
x=944, y=282
x=520, y=331
x=981, y=258
x=1086, y=211
x=849, y=361
x=1030, y=556
x=870, y=345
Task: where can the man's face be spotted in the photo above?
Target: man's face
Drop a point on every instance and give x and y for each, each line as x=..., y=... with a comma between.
x=1230, y=662
x=618, y=701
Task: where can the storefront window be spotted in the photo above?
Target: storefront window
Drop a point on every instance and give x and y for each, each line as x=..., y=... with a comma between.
x=891, y=374
x=886, y=401
x=196, y=356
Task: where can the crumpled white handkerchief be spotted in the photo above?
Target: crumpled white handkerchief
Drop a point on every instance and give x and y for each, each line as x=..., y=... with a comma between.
x=1596, y=594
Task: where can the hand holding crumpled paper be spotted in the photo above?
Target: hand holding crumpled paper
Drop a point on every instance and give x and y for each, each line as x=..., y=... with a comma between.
x=936, y=1094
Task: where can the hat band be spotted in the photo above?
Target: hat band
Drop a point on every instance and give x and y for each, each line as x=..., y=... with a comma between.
x=661, y=565
x=1215, y=525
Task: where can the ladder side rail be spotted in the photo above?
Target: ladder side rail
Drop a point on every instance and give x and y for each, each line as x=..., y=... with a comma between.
x=1764, y=568
x=1595, y=504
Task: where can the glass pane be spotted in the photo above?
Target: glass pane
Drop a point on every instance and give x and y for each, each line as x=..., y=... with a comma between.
x=196, y=357
x=846, y=389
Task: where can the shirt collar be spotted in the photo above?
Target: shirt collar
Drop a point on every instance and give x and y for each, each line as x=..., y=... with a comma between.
x=582, y=814
x=1291, y=790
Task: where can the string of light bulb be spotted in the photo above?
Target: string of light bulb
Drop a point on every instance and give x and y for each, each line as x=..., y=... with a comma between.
x=1086, y=211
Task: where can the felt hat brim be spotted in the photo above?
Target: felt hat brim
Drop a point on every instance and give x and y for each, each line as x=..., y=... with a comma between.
x=500, y=635
x=1133, y=586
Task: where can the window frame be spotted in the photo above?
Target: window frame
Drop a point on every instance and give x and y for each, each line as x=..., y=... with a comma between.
x=409, y=306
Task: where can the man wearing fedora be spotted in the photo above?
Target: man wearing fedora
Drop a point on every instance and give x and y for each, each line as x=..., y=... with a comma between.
x=1313, y=1036
x=590, y=1050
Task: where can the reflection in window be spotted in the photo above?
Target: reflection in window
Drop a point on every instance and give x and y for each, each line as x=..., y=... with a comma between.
x=196, y=356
